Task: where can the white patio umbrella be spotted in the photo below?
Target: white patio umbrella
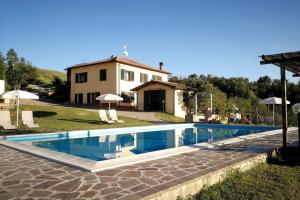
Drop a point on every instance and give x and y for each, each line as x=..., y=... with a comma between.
x=17, y=95
x=109, y=98
x=272, y=101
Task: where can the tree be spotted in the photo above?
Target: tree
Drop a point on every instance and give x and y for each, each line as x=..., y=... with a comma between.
x=24, y=73
x=62, y=90
x=3, y=67
x=10, y=75
x=264, y=87
x=12, y=56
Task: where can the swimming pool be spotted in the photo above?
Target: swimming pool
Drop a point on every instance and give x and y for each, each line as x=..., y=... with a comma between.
x=100, y=145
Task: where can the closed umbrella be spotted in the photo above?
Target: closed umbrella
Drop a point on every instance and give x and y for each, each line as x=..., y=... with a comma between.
x=17, y=95
x=272, y=101
x=109, y=98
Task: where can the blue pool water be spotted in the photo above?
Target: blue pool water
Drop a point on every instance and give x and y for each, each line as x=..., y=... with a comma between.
x=107, y=144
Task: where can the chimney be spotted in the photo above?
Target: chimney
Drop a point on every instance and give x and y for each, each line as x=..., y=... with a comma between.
x=161, y=65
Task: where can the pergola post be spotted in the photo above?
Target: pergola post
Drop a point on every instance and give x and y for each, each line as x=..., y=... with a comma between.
x=288, y=61
x=283, y=105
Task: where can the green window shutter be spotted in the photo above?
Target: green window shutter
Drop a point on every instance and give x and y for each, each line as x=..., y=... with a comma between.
x=122, y=74
x=102, y=75
x=77, y=78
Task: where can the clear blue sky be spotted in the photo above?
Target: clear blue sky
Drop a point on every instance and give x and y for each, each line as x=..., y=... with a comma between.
x=222, y=37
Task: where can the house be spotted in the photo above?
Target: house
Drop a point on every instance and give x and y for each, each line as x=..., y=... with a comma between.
x=127, y=78
x=116, y=75
x=161, y=96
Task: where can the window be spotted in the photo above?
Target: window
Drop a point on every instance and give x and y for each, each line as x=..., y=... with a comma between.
x=155, y=77
x=102, y=75
x=128, y=97
x=91, y=97
x=78, y=98
x=143, y=78
x=81, y=77
x=127, y=75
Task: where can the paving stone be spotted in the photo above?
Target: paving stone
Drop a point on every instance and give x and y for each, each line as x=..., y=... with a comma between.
x=55, y=172
x=39, y=193
x=32, y=181
x=90, y=178
x=8, y=173
x=147, y=181
x=46, y=177
x=179, y=173
x=128, y=183
x=130, y=173
x=85, y=187
x=3, y=192
x=151, y=173
x=139, y=188
x=46, y=184
x=6, y=183
x=110, y=190
x=89, y=194
x=18, y=176
x=130, y=197
x=18, y=186
x=111, y=172
x=34, y=172
x=19, y=192
x=107, y=179
x=65, y=196
x=67, y=186
x=100, y=186
x=112, y=196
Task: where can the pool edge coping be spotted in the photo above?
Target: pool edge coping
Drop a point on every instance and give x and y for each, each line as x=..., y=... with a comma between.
x=96, y=166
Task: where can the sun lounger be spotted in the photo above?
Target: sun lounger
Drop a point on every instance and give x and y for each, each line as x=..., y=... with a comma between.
x=5, y=120
x=113, y=116
x=27, y=119
x=102, y=139
x=103, y=117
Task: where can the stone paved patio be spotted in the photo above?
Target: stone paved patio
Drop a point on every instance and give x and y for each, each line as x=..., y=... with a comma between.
x=23, y=176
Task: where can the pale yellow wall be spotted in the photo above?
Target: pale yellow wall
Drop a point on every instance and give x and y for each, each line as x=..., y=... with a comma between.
x=179, y=105
x=93, y=83
x=113, y=84
x=169, y=97
x=126, y=86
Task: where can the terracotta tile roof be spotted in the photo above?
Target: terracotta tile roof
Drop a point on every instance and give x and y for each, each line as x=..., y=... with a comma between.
x=172, y=85
x=123, y=61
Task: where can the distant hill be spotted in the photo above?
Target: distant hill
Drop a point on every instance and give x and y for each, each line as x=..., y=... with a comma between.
x=46, y=75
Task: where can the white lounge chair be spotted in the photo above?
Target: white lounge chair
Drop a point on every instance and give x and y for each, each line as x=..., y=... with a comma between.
x=113, y=116
x=5, y=120
x=102, y=139
x=27, y=119
x=103, y=117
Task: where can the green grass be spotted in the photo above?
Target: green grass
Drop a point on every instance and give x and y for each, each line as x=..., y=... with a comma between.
x=169, y=118
x=265, y=181
x=54, y=118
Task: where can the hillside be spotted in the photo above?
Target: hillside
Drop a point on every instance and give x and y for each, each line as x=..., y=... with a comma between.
x=46, y=76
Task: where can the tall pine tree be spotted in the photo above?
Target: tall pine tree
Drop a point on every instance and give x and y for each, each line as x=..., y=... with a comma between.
x=3, y=67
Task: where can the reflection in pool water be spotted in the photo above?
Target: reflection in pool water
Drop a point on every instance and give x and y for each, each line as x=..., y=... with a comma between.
x=112, y=146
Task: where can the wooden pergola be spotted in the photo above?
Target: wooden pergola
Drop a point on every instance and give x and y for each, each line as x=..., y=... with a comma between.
x=289, y=61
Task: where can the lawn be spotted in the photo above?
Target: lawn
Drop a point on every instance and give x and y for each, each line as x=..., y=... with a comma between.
x=57, y=118
x=265, y=181
x=169, y=118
